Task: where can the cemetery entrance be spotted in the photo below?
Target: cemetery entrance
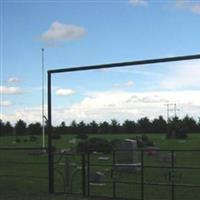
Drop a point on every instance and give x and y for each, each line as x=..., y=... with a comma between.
x=136, y=174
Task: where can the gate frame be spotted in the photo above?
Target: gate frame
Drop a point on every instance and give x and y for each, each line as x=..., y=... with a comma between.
x=93, y=67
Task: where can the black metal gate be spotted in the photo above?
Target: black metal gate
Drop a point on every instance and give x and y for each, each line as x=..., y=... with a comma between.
x=160, y=174
x=171, y=169
x=93, y=67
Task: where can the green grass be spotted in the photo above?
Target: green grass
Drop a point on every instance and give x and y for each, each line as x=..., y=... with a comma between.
x=193, y=142
x=24, y=176
x=41, y=197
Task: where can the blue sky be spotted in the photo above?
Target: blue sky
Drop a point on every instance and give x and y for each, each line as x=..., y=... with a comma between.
x=79, y=32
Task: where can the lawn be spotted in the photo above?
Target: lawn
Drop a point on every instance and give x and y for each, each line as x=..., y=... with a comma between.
x=25, y=176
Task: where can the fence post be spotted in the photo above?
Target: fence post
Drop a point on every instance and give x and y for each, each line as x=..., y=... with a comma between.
x=83, y=175
x=50, y=150
x=114, y=183
x=88, y=174
x=142, y=174
x=172, y=174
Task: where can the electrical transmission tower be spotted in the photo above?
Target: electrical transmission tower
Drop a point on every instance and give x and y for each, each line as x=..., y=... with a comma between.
x=171, y=107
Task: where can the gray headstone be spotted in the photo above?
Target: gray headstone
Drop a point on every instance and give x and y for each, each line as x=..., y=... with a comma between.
x=126, y=155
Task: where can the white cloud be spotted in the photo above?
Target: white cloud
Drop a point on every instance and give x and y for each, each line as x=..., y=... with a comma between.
x=124, y=85
x=5, y=103
x=129, y=83
x=192, y=6
x=183, y=75
x=64, y=92
x=120, y=105
x=28, y=114
x=129, y=105
x=10, y=90
x=62, y=32
x=138, y=2
x=13, y=80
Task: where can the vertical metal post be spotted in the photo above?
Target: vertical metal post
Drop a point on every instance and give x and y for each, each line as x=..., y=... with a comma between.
x=142, y=174
x=83, y=175
x=114, y=183
x=88, y=174
x=172, y=174
x=43, y=125
x=50, y=150
x=67, y=176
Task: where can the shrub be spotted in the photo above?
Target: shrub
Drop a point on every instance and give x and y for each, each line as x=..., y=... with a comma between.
x=145, y=138
x=56, y=136
x=82, y=136
x=17, y=140
x=181, y=133
x=94, y=144
x=144, y=141
x=33, y=138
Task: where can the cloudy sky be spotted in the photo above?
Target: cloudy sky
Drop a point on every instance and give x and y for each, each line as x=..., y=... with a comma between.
x=87, y=32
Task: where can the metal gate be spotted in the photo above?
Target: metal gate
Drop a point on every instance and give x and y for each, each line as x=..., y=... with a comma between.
x=160, y=174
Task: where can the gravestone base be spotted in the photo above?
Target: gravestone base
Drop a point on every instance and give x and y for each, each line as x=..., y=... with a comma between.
x=128, y=168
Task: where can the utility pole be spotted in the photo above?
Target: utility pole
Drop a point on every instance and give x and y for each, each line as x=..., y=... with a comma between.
x=171, y=107
x=175, y=110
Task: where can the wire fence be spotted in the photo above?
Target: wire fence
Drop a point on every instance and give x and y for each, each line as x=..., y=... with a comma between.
x=23, y=171
x=122, y=174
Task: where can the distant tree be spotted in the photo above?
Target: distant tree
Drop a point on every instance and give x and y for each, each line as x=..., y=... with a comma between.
x=159, y=125
x=62, y=128
x=198, y=124
x=177, y=130
x=8, y=128
x=35, y=128
x=1, y=128
x=104, y=127
x=129, y=126
x=81, y=128
x=93, y=127
x=144, y=125
x=190, y=124
x=73, y=127
x=174, y=123
x=20, y=127
x=115, y=126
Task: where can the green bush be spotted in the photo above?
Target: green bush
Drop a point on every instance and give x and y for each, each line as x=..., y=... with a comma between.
x=56, y=136
x=94, y=144
x=82, y=136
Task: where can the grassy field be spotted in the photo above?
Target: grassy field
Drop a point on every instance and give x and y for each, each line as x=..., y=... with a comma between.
x=25, y=176
x=193, y=141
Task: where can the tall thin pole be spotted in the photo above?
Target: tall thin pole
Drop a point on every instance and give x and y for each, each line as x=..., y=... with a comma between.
x=175, y=109
x=167, y=113
x=50, y=151
x=43, y=122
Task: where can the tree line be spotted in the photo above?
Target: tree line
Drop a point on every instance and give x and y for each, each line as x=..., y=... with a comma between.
x=143, y=125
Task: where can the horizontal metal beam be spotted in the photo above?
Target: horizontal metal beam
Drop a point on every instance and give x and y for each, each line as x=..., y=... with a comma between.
x=129, y=63
x=21, y=148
